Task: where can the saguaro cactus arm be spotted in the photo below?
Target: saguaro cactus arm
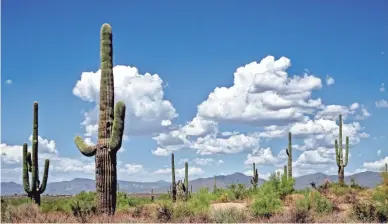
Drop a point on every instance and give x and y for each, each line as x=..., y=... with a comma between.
x=84, y=148
x=346, y=151
x=43, y=185
x=337, y=155
x=118, y=127
x=26, y=168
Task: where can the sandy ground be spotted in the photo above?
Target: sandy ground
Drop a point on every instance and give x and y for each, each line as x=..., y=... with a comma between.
x=230, y=205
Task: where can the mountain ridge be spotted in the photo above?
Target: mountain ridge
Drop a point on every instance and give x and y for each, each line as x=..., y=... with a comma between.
x=76, y=185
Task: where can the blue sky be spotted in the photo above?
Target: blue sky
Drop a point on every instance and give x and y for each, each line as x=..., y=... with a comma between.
x=195, y=47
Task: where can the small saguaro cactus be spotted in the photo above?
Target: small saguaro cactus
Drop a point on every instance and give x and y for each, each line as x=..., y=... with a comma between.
x=285, y=171
x=186, y=181
x=289, y=154
x=386, y=168
x=341, y=161
x=173, y=183
x=110, y=130
x=215, y=185
x=30, y=164
x=152, y=195
x=255, y=178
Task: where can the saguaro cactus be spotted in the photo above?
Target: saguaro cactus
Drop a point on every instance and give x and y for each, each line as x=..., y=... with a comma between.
x=386, y=168
x=255, y=178
x=173, y=183
x=215, y=185
x=30, y=164
x=289, y=154
x=341, y=161
x=110, y=130
x=285, y=171
x=186, y=183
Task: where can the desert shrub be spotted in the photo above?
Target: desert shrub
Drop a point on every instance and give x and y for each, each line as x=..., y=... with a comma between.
x=355, y=185
x=266, y=205
x=164, y=211
x=365, y=211
x=339, y=189
x=138, y=211
x=200, y=201
x=314, y=201
x=230, y=216
x=223, y=198
x=83, y=210
x=239, y=191
x=182, y=209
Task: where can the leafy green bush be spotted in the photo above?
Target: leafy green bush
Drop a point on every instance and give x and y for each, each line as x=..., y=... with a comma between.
x=314, y=201
x=200, y=201
x=239, y=191
x=266, y=205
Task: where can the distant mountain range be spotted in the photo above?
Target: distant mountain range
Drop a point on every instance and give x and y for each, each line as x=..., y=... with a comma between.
x=366, y=179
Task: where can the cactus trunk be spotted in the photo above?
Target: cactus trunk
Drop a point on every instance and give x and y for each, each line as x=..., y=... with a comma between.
x=255, y=178
x=110, y=130
x=342, y=161
x=30, y=164
x=173, y=183
x=289, y=154
x=186, y=181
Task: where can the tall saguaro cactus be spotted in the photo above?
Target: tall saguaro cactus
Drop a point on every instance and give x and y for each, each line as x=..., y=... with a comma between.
x=341, y=161
x=289, y=154
x=186, y=181
x=30, y=164
x=110, y=130
x=173, y=183
x=255, y=178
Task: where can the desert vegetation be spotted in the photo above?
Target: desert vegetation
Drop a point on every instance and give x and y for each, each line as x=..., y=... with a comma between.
x=276, y=200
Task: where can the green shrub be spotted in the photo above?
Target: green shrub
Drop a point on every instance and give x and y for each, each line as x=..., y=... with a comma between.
x=164, y=211
x=314, y=201
x=230, y=216
x=239, y=191
x=200, y=201
x=83, y=210
x=266, y=205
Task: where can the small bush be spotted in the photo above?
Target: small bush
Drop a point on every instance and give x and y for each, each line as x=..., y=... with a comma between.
x=314, y=201
x=164, y=211
x=239, y=191
x=230, y=216
x=83, y=210
x=266, y=205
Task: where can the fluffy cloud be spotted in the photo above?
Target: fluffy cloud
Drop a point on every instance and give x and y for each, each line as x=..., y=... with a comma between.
x=378, y=152
x=376, y=165
x=207, y=161
x=261, y=156
x=132, y=168
x=146, y=110
x=329, y=80
x=382, y=104
x=180, y=172
x=8, y=82
x=262, y=94
x=232, y=144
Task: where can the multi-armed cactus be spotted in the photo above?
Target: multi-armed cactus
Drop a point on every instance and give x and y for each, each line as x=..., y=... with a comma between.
x=255, y=178
x=173, y=183
x=110, y=130
x=341, y=161
x=30, y=164
x=186, y=181
x=289, y=154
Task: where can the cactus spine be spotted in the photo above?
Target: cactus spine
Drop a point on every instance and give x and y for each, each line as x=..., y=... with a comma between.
x=289, y=154
x=110, y=130
x=30, y=164
x=255, y=178
x=341, y=161
x=186, y=181
x=173, y=191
